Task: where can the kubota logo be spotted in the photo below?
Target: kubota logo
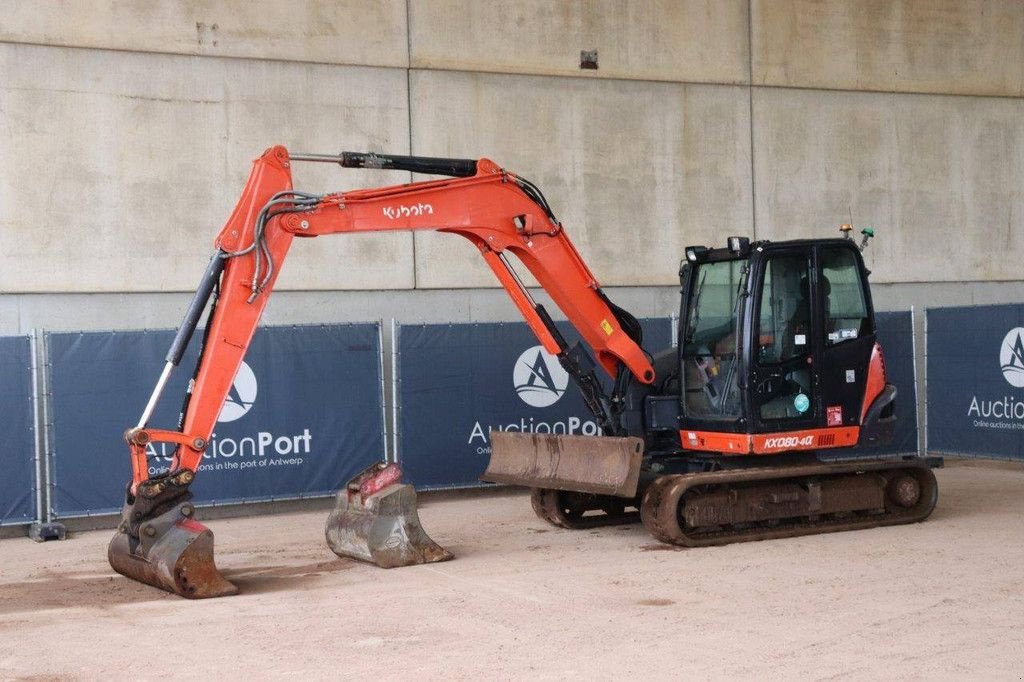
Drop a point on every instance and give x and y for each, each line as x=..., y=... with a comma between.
x=1011, y=357
x=539, y=378
x=396, y=212
x=241, y=396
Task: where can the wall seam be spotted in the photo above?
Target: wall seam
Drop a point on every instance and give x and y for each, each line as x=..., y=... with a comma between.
x=198, y=55
x=408, y=111
x=750, y=116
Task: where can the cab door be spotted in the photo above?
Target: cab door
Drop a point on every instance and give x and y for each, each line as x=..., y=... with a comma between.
x=848, y=334
x=784, y=389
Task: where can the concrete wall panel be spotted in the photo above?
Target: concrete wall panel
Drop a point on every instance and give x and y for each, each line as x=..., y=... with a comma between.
x=676, y=40
x=935, y=46
x=940, y=178
x=635, y=171
x=120, y=168
x=367, y=32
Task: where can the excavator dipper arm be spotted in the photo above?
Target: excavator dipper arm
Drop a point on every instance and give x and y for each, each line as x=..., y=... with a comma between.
x=158, y=542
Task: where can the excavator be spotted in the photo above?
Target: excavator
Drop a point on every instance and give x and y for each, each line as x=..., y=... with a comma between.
x=717, y=440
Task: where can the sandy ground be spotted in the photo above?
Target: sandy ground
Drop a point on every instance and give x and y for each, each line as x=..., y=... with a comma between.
x=942, y=599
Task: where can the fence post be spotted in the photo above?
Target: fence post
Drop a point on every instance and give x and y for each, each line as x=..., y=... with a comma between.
x=394, y=390
x=922, y=414
x=383, y=392
x=44, y=528
x=37, y=424
x=926, y=381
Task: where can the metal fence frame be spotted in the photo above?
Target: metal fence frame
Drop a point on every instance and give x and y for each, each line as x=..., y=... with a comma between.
x=395, y=407
x=923, y=438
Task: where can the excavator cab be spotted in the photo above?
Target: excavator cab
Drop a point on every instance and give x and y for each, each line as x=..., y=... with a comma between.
x=779, y=339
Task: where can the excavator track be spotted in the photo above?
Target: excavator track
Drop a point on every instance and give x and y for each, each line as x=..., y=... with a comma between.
x=567, y=509
x=721, y=507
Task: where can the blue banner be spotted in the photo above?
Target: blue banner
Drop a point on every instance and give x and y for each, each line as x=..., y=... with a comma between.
x=17, y=447
x=457, y=381
x=976, y=381
x=305, y=414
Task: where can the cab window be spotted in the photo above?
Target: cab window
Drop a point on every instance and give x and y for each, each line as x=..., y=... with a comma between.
x=846, y=314
x=710, y=363
x=785, y=322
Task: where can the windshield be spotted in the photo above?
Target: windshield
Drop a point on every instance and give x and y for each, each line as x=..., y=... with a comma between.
x=709, y=342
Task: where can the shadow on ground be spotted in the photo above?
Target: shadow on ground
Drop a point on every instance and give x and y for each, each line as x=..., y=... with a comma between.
x=273, y=578
x=74, y=590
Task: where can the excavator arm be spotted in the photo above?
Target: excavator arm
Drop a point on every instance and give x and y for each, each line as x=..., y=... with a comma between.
x=159, y=543
x=499, y=212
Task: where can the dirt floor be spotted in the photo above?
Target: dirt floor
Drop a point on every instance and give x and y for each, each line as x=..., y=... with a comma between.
x=940, y=599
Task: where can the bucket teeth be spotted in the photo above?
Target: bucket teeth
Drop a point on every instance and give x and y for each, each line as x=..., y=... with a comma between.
x=382, y=528
x=172, y=551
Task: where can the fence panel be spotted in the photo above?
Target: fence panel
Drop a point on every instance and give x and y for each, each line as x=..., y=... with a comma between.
x=17, y=447
x=456, y=382
x=976, y=381
x=304, y=414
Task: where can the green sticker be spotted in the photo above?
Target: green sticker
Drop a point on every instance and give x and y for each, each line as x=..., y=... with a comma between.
x=801, y=403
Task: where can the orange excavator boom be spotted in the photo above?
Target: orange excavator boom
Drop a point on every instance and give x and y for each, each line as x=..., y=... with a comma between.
x=500, y=212
x=492, y=208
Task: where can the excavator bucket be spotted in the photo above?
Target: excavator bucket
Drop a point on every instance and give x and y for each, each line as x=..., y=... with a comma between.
x=375, y=520
x=601, y=465
x=173, y=551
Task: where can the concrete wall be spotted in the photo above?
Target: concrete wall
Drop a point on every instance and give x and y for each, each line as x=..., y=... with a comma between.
x=122, y=166
x=126, y=129
x=942, y=178
x=607, y=154
x=962, y=47
x=696, y=41
x=362, y=32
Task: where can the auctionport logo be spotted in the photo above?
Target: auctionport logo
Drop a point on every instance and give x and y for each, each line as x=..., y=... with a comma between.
x=1006, y=412
x=1011, y=357
x=538, y=377
x=540, y=381
x=256, y=450
x=241, y=396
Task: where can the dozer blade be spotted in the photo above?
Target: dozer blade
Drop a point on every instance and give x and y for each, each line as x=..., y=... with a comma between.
x=173, y=552
x=603, y=465
x=375, y=520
